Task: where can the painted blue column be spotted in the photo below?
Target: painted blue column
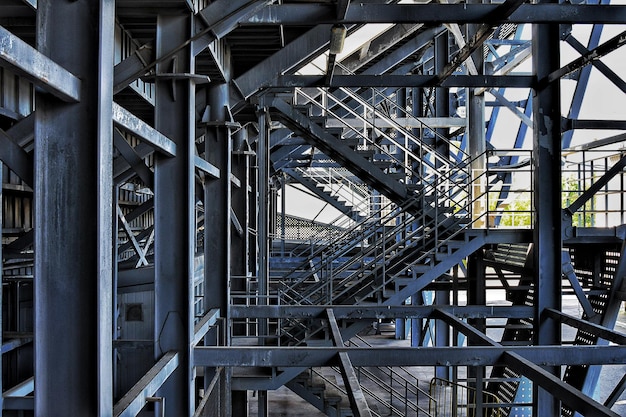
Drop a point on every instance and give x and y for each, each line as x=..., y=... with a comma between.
x=174, y=214
x=73, y=182
x=547, y=201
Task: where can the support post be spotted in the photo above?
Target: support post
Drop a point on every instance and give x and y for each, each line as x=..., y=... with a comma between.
x=174, y=214
x=217, y=222
x=547, y=201
x=72, y=292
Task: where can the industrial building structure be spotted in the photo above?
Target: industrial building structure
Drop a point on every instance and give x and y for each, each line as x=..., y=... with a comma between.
x=204, y=202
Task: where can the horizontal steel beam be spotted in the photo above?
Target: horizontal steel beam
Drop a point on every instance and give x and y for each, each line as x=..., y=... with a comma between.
x=207, y=167
x=305, y=357
x=135, y=399
x=476, y=81
x=133, y=124
x=304, y=13
x=378, y=312
x=24, y=60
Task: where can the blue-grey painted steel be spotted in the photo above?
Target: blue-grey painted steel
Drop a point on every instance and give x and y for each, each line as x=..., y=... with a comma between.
x=135, y=399
x=67, y=180
x=34, y=65
x=477, y=81
x=105, y=214
x=2, y=389
x=16, y=158
x=358, y=403
x=174, y=215
x=298, y=14
x=547, y=200
x=298, y=357
x=128, y=121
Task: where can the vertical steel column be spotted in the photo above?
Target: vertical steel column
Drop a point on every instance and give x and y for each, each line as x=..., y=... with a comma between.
x=1, y=286
x=217, y=222
x=174, y=214
x=263, y=239
x=71, y=266
x=547, y=182
x=477, y=295
x=239, y=265
x=442, y=331
x=106, y=289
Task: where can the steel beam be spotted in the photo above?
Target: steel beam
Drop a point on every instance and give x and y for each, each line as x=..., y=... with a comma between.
x=586, y=59
x=378, y=312
x=202, y=327
x=303, y=357
x=24, y=60
x=127, y=152
x=513, y=81
x=16, y=158
x=595, y=329
x=135, y=399
x=350, y=379
x=174, y=214
x=480, y=35
x=131, y=123
x=70, y=143
x=462, y=13
x=557, y=388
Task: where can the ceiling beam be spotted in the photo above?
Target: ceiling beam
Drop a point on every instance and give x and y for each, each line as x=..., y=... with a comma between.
x=304, y=13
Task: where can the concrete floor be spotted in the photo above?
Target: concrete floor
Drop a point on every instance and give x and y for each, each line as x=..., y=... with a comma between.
x=284, y=403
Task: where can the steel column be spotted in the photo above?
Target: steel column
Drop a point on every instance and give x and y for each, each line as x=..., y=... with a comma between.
x=174, y=215
x=263, y=241
x=217, y=221
x=68, y=266
x=106, y=290
x=547, y=182
x=1, y=287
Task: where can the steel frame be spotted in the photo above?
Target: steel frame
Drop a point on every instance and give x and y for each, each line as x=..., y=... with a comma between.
x=174, y=199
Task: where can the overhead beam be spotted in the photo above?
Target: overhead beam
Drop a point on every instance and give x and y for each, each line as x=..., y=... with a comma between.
x=135, y=399
x=343, y=312
x=24, y=60
x=131, y=123
x=303, y=13
x=272, y=356
x=513, y=81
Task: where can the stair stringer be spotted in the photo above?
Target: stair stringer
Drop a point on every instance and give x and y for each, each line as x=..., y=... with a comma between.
x=340, y=152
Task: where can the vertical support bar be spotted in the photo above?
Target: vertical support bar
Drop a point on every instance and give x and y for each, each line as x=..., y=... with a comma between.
x=105, y=208
x=217, y=222
x=442, y=332
x=263, y=232
x=547, y=182
x=67, y=264
x=477, y=295
x=1, y=286
x=174, y=214
x=477, y=141
x=240, y=244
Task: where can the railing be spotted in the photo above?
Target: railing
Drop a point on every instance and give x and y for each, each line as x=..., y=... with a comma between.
x=398, y=383
x=452, y=399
